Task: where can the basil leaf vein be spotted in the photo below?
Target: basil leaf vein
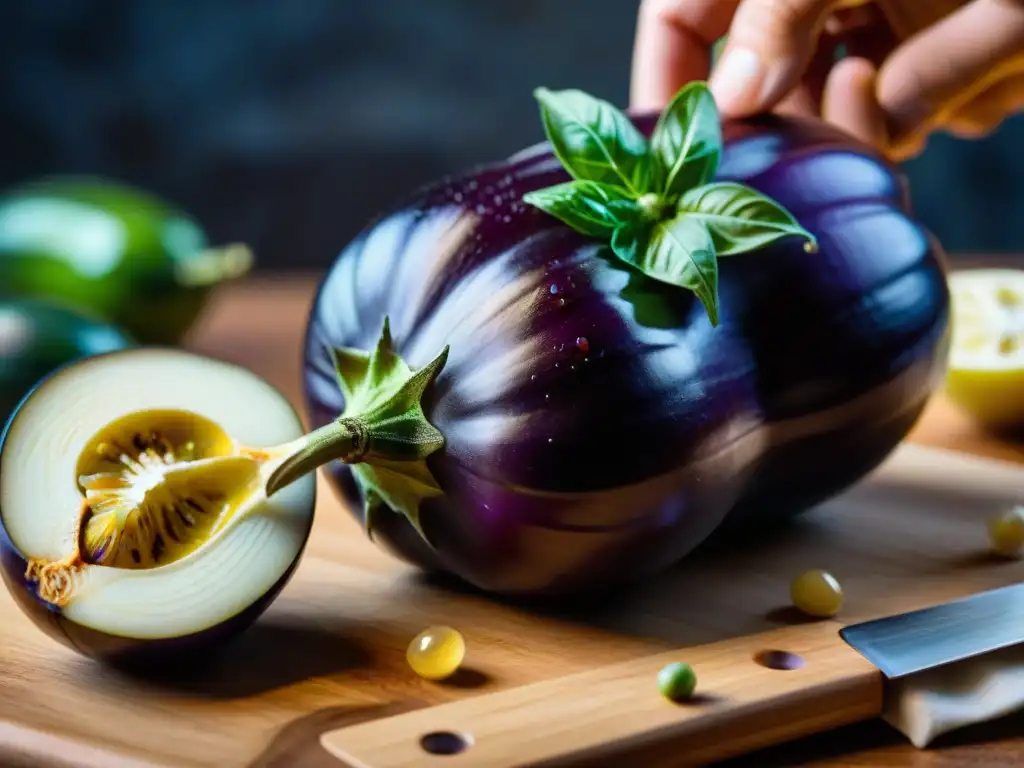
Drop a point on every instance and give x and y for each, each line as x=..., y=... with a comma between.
x=687, y=141
x=739, y=217
x=591, y=208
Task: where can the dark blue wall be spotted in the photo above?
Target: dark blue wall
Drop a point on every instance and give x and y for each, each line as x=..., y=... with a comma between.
x=289, y=123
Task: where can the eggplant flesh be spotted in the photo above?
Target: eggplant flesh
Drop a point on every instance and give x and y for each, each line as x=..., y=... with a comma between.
x=597, y=427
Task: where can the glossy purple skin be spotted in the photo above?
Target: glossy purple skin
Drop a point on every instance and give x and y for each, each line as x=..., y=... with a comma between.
x=130, y=653
x=570, y=467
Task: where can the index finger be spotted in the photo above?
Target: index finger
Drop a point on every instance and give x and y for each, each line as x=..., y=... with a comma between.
x=673, y=46
x=940, y=69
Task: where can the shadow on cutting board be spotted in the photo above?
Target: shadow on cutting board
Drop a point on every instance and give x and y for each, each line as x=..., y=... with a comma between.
x=266, y=657
x=911, y=535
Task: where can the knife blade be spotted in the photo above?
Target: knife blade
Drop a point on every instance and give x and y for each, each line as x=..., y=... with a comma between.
x=753, y=692
x=942, y=634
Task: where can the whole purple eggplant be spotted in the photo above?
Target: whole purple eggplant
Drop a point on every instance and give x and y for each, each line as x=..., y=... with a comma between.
x=599, y=423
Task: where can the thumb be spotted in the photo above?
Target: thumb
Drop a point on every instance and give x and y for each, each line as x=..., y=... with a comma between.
x=770, y=44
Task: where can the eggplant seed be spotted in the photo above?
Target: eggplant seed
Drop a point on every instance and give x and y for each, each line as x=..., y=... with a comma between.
x=1008, y=344
x=155, y=507
x=156, y=486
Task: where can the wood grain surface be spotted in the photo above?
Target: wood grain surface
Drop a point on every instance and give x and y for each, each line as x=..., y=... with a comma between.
x=330, y=652
x=754, y=690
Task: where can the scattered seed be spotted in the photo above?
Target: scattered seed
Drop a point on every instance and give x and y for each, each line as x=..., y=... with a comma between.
x=817, y=593
x=436, y=653
x=1006, y=533
x=677, y=681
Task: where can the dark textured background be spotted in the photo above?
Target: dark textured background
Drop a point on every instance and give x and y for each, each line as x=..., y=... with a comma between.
x=289, y=123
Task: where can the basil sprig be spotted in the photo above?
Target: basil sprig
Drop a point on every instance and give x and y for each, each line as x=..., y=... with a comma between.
x=654, y=200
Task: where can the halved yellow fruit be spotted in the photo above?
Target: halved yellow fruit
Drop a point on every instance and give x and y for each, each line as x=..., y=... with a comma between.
x=985, y=376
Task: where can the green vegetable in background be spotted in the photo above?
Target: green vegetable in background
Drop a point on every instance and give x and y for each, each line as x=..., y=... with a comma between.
x=114, y=250
x=36, y=337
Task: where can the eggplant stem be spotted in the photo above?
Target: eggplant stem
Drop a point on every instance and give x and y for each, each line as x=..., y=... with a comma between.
x=383, y=434
x=343, y=440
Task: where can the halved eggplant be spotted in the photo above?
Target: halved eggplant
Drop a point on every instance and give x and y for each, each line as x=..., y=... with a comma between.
x=133, y=518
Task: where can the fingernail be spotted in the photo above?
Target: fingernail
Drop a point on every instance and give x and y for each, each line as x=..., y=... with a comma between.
x=737, y=79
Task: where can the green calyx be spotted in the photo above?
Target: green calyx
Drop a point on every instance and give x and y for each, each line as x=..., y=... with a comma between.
x=383, y=433
x=654, y=200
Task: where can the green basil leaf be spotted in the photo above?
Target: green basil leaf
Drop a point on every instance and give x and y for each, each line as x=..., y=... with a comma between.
x=630, y=241
x=740, y=218
x=687, y=141
x=594, y=140
x=589, y=207
x=678, y=251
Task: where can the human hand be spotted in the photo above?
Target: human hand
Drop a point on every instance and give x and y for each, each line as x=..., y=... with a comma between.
x=912, y=67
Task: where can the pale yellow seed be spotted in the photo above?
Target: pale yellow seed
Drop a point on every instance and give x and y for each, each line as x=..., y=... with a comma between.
x=1006, y=533
x=817, y=593
x=436, y=653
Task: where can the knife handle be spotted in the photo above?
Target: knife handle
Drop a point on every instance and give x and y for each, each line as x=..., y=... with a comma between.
x=614, y=715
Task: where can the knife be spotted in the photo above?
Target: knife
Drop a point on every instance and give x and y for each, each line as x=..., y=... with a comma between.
x=752, y=692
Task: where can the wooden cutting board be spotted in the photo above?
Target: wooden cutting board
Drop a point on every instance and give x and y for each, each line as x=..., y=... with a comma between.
x=331, y=649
